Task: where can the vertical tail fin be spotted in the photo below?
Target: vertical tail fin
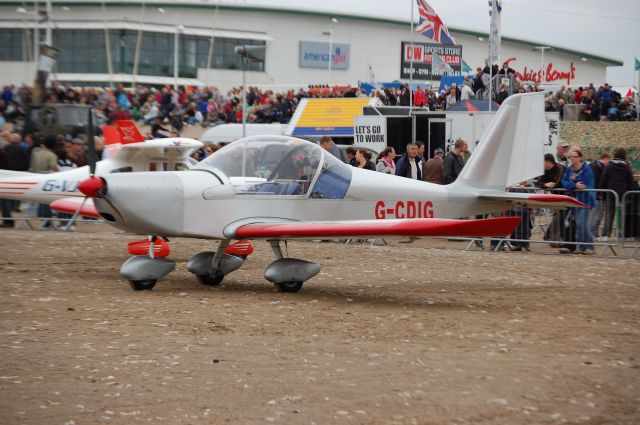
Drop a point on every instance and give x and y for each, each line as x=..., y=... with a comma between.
x=111, y=135
x=511, y=149
x=129, y=132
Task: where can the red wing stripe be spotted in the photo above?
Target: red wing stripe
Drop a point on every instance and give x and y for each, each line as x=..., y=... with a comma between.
x=557, y=198
x=410, y=227
x=66, y=195
x=66, y=206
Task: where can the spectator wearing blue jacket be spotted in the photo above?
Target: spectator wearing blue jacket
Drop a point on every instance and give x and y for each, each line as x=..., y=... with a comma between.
x=605, y=98
x=579, y=177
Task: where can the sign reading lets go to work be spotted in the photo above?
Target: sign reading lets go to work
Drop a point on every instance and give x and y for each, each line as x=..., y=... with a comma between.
x=370, y=131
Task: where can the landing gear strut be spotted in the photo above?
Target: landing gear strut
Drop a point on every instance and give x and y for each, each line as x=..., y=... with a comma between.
x=211, y=267
x=289, y=274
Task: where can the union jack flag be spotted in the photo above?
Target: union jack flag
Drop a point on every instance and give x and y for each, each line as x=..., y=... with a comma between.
x=431, y=26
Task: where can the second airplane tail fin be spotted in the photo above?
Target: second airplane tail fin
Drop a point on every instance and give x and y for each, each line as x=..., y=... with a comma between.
x=129, y=133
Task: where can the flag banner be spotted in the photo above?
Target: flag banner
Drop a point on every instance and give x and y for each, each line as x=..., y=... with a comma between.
x=637, y=68
x=465, y=67
x=431, y=26
x=430, y=61
x=370, y=74
x=439, y=66
x=495, y=42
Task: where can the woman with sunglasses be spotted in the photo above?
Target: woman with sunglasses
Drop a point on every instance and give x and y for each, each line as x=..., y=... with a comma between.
x=578, y=177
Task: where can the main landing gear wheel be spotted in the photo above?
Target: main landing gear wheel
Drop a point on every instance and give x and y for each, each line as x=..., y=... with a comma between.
x=210, y=280
x=141, y=285
x=288, y=286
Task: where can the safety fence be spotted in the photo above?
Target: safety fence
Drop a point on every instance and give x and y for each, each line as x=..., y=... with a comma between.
x=611, y=226
x=42, y=214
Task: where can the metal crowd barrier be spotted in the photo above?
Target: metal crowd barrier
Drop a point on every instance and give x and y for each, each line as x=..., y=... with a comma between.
x=610, y=222
x=65, y=221
x=630, y=222
x=573, y=112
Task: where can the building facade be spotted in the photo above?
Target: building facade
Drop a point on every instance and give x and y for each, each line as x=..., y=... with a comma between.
x=102, y=43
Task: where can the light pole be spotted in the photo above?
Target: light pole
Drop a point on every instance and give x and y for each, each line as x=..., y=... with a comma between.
x=330, y=34
x=542, y=49
x=253, y=54
x=176, y=54
x=36, y=29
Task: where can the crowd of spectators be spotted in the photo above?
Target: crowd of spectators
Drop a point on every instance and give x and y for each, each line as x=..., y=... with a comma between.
x=185, y=106
x=209, y=106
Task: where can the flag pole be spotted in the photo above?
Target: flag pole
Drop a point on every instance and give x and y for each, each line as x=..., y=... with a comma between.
x=490, y=58
x=411, y=63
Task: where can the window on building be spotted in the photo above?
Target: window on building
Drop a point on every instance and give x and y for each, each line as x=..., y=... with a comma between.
x=156, y=54
x=80, y=51
x=12, y=45
x=123, y=50
x=225, y=56
x=84, y=51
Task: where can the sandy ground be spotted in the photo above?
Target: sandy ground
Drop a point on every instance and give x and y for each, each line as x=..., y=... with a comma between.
x=406, y=334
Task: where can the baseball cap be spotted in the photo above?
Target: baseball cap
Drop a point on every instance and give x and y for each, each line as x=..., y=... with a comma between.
x=438, y=150
x=564, y=144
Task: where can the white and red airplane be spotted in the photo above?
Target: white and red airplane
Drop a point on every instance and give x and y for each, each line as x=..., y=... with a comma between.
x=126, y=151
x=277, y=188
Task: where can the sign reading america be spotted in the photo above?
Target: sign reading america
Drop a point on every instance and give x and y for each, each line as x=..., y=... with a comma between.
x=423, y=55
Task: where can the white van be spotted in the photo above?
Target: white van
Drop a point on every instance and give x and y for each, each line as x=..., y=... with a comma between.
x=227, y=133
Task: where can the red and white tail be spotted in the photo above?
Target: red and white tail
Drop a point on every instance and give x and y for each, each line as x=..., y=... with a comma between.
x=111, y=135
x=129, y=133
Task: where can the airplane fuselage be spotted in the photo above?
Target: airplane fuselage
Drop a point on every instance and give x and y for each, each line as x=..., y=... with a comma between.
x=204, y=204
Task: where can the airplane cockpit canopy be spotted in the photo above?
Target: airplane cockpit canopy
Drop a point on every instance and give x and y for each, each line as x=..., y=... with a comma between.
x=280, y=165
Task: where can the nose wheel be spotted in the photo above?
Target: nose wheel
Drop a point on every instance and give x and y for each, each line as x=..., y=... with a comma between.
x=288, y=286
x=141, y=285
x=211, y=267
x=210, y=279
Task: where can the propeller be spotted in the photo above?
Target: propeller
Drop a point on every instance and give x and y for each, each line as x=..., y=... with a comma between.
x=93, y=186
x=92, y=156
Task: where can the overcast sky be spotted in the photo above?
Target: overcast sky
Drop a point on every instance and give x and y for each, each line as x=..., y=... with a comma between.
x=608, y=28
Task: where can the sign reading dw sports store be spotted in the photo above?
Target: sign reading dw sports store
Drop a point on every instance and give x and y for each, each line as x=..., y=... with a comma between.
x=430, y=61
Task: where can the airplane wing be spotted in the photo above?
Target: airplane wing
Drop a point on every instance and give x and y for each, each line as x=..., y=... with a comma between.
x=71, y=205
x=371, y=228
x=535, y=200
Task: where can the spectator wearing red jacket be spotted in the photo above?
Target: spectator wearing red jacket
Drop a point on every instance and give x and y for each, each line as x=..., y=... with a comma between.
x=419, y=97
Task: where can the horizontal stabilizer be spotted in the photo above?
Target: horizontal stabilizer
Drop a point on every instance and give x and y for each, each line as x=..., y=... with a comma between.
x=364, y=228
x=535, y=200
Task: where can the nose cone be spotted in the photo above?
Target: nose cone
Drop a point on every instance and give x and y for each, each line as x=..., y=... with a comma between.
x=92, y=187
x=147, y=203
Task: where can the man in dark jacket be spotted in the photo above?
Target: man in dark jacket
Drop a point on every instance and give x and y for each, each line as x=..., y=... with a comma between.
x=595, y=217
x=478, y=84
x=17, y=156
x=617, y=176
x=453, y=162
x=409, y=165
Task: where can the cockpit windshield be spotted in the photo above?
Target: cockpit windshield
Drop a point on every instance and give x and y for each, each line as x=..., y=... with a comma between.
x=280, y=165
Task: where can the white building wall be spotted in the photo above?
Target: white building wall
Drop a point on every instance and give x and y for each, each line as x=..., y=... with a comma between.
x=17, y=73
x=371, y=43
